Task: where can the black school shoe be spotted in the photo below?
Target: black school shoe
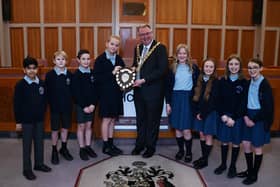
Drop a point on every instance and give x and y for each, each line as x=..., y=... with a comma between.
x=137, y=151
x=148, y=153
x=188, y=158
x=219, y=170
x=116, y=149
x=197, y=161
x=43, y=168
x=202, y=164
x=242, y=174
x=109, y=151
x=83, y=154
x=251, y=179
x=29, y=175
x=90, y=152
x=110, y=143
x=55, y=158
x=66, y=155
x=231, y=172
x=179, y=155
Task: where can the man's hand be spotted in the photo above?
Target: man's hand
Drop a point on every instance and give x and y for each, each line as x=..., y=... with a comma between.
x=18, y=127
x=139, y=82
x=168, y=109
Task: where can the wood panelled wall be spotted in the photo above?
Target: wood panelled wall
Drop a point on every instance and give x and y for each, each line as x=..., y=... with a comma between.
x=25, y=11
x=218, y=28
x=169, y=16
x=215, y=28
x=41, y=29
x=62, y=11
x=17, y=46
x=239, y=12
x=207, y=12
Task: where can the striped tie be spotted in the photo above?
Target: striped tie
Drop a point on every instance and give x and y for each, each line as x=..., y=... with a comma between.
x=145, y=50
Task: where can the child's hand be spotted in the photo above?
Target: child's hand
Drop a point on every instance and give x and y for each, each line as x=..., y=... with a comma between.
x=91, y=107
x=87, y=110
x=248, y=121
x=198, y=117
x=230, y=122
x=168, y=109
x=116, y=69
x=224, y=118
x=18, y=127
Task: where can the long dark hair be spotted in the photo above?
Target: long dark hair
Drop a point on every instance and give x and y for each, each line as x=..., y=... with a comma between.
x=198, y=88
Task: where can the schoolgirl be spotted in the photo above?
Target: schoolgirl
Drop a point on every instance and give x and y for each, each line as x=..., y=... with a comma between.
x=110, y=95
x=231, y=93
x=258, y=120
x=205, y=106
x=179, y=91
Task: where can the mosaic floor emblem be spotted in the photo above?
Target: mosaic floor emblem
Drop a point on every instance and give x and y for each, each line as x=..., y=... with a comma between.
x=135, y=171
x=139, y=174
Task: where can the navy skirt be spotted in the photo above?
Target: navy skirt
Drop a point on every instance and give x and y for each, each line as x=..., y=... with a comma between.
x=228, y=134
x=181, y=117
x=256, y=134
x=208, y=126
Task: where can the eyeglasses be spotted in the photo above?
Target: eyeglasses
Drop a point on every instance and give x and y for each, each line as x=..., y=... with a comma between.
x=253, y=67
x=145, y=34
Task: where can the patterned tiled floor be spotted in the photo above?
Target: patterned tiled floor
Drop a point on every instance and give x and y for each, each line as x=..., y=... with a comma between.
x=65, y=174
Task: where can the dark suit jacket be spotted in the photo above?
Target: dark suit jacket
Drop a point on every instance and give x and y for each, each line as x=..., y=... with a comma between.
x=153, y=71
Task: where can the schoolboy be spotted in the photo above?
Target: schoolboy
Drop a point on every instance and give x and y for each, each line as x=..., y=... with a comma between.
x=58, y=85
x=29, y=110
x=84, y=92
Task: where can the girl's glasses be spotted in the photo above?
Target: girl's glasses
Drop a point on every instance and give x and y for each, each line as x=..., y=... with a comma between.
x=253, y=67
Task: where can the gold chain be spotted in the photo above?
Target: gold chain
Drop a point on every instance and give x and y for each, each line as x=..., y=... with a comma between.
x=139, y=62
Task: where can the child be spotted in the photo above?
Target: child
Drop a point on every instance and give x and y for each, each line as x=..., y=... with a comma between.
x=58, y=85
x=179, y=92
x=231, y=94
x=110, y=95
x=258, y=120
x=29, y=109
x=84, y=93
x=205, y=98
